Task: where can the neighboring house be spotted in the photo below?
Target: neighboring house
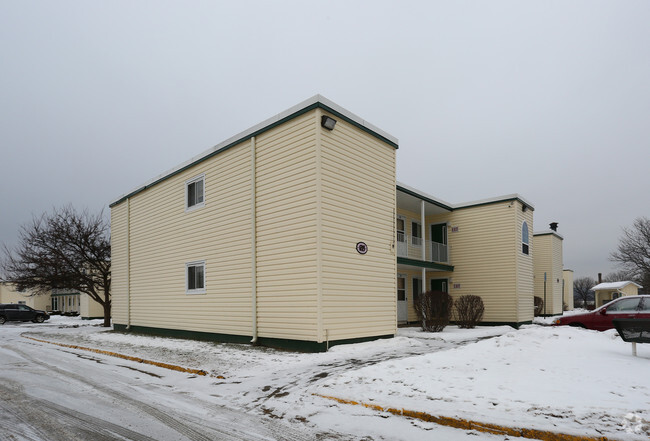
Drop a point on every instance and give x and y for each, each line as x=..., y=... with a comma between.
x=295, y=234
x=549, y=277
x=8, y=294
x=608, y=291
x=480, y=248
x=567, y=278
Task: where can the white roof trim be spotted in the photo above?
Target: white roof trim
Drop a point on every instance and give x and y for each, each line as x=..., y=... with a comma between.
x=423, y=194
x=246, y=133
x=615, y=285
x=544, y=232
x=506, y=197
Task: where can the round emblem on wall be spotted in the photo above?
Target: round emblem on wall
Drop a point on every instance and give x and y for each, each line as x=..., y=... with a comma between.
x=362, y=248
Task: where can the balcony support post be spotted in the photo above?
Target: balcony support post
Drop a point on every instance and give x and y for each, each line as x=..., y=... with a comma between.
x=424, y=232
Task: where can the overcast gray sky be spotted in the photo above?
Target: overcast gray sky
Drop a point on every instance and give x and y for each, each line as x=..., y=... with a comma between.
x=548, y=99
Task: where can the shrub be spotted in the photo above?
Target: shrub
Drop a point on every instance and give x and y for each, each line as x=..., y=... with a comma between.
x=539, y=306
x=469, y=311
x=434, y=310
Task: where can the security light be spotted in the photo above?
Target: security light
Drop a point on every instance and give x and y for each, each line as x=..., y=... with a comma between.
x=327, y=122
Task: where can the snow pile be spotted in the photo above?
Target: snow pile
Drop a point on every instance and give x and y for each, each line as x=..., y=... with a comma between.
x=583, y=382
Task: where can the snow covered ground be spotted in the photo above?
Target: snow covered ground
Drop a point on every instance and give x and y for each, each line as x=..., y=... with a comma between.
x=559, y=379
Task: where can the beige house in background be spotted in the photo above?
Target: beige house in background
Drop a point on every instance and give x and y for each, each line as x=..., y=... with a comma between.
x=549, y=276
x=295, y=234
x=8, y=294
x=567, y=277
x=608, y=291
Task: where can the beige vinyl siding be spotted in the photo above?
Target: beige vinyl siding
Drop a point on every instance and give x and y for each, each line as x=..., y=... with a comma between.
x=286, y=208
x=8, y=294
x=567, y=276
x=482, y=255
x=548, y=259
x=357, y=200
x=164, y=237
x=119, y=263
x=525, y=266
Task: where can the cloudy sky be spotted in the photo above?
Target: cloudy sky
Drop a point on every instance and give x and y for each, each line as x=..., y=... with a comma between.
x=547, y=99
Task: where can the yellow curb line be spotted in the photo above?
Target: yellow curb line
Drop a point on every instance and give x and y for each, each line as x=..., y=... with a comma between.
x=459, y=423
x=127, y=357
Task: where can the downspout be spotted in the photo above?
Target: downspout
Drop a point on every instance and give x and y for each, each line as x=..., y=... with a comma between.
x=253, y=244
x=128, y=263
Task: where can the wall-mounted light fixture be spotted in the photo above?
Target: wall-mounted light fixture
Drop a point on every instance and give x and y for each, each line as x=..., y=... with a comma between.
x=327, y=122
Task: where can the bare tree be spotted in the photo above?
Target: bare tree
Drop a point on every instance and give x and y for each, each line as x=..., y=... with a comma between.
x=63, y=250
x=582, y=289
x=633, y=252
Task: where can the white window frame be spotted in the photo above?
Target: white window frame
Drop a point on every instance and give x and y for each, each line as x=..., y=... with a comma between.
x=196, y=263
x=527, y=241
x=403, y=231
x=189, y=182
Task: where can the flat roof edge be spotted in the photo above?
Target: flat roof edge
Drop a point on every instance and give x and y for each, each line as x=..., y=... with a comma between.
x=424, y=196
x=317, y=101
x=494, y=200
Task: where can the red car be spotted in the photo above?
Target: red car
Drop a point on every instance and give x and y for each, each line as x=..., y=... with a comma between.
x=601, y=319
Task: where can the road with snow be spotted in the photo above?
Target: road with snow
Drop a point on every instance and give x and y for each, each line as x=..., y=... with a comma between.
x=53, y=393
x=559, y=380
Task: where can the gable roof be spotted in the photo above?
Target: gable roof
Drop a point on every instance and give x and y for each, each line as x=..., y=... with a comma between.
x=614, y=285
x=317, y=101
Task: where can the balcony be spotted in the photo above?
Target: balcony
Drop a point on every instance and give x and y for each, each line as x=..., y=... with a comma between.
x=411, y=248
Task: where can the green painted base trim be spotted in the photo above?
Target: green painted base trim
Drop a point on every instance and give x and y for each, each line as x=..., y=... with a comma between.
x=93, y=318
x=287, y=344
x=424, y=264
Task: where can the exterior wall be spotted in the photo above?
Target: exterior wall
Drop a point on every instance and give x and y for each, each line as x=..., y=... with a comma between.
x=548, y=259
x=119, y=263
x=162, y=237
x=485, y=248
x=310, y=195
x=357, y=202
x=287, y=246
x=9, y=295
x=567, y=276
x=90, y=309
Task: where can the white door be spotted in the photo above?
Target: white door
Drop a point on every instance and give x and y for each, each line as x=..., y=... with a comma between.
x=402, y=309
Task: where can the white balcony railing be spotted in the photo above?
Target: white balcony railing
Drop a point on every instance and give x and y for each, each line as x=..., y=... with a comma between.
x=411, y=247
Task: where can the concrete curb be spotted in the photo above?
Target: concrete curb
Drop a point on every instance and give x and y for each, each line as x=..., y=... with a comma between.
x=459, y=423
x=127, y=357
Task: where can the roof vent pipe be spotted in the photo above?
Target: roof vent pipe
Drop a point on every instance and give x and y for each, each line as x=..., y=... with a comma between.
x=600, y=278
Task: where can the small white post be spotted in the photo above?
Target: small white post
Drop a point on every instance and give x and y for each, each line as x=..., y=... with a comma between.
x=634, y=348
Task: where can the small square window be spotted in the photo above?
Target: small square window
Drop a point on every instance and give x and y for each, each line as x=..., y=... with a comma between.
x=194, y=193
x=195, y=277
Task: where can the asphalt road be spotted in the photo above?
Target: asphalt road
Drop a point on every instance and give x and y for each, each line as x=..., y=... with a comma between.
x=50, y=393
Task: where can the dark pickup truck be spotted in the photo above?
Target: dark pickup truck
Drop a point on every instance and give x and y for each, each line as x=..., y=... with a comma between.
x=23, y=313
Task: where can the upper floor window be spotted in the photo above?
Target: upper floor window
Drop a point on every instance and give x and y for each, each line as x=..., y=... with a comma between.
x=524, y=238
x=194, y=193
